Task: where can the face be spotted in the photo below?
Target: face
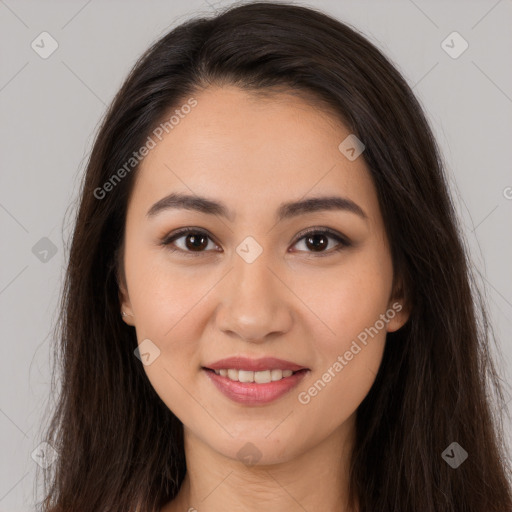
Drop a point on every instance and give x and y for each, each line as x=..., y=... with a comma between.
x=256, y=277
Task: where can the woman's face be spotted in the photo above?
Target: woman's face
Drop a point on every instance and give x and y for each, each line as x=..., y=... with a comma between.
x=250, y=283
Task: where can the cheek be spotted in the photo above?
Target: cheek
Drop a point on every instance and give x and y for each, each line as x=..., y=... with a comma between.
x=335, y=392
x=161, y=294
x=348, y=297
x=165, y=305
x=350, y=300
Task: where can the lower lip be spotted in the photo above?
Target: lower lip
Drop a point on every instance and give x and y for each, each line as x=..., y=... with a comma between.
x=250, y=393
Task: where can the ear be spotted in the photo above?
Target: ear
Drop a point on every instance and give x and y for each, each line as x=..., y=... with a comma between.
x=399, y=308
x=124, y=298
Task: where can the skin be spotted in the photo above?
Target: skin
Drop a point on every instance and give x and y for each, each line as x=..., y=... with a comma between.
x=253, y=154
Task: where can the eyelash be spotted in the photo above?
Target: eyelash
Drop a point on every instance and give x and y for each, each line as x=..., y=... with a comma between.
x=342, y=241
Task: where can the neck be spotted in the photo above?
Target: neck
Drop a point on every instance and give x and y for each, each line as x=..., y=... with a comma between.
x=315, y=479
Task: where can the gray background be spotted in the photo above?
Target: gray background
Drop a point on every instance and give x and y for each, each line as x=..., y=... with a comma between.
x=50, y=109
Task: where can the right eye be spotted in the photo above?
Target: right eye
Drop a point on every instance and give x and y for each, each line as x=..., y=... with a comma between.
x=195, y=241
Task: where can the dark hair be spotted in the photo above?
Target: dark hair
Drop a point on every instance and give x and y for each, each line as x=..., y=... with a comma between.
x=120, y=447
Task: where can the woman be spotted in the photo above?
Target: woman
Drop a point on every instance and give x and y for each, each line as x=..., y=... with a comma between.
x=268, y=304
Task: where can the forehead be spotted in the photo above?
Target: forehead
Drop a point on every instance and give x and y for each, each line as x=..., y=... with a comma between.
x=246, y=149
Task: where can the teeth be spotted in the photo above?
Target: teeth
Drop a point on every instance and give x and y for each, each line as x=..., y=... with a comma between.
x=262, y=377
x=244, y=376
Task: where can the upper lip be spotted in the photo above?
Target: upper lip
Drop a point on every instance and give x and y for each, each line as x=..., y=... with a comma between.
x=246, y=363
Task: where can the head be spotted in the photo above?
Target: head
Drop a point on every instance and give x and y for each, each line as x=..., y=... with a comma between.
x=252, y=115
x=304, y=301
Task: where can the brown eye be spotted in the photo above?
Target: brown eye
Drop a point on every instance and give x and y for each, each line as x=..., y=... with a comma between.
x=318, y=240
x=196, y=242
x=190, y=241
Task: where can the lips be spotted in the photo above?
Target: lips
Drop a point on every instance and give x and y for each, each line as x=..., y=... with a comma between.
x=254, y=388
x=248, y=364
x=252, y=393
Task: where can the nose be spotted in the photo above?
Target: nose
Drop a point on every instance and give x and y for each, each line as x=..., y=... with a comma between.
x=254, y=303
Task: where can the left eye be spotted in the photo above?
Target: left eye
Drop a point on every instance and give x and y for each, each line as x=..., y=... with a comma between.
x=319, y=240
x=197, y=241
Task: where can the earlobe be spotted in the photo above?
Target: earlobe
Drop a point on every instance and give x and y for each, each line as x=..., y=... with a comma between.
x=126, y=310
x=127, y=314
x=399, y=308
x=398, y=314
x=124, y=300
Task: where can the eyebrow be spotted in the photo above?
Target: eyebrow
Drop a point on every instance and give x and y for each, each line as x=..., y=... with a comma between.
x=285, y=210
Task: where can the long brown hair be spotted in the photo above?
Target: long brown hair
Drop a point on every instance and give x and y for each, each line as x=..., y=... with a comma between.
x=120, y=448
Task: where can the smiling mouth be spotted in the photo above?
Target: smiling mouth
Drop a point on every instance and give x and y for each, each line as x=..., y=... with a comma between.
x=255, y=388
